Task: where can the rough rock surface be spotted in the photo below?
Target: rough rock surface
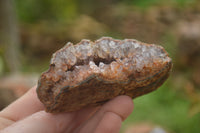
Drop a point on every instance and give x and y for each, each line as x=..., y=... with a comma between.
x=91, y=73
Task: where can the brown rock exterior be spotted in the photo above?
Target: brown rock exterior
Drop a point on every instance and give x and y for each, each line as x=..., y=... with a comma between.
x=91, y=73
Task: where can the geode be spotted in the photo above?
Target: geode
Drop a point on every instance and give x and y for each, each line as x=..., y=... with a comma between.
x=91, y=73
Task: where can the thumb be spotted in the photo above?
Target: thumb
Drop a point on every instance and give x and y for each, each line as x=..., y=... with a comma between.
x=41, y=122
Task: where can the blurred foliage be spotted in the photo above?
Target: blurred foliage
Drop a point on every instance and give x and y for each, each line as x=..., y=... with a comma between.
x=148, y=3
x=1, y=65
x=64, y=10
x=46, y=25
x=37, y=10
x=166, y=108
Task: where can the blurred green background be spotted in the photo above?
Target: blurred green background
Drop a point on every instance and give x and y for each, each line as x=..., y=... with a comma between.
x=31, y=30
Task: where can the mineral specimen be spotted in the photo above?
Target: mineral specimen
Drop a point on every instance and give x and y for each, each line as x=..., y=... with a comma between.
x=91, y=73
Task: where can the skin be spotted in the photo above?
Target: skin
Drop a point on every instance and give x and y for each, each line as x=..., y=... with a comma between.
x=27, y=115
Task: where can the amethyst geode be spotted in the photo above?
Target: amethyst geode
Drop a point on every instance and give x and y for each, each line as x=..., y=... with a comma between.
x=91, y=73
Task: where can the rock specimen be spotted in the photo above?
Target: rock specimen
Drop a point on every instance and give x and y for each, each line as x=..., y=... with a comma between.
x=91, y=73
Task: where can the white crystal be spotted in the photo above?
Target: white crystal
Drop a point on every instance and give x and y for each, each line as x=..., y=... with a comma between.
x=153, y=51
x=91, y=63
x=146, y=54
x=126, y=47
x=84, y=49
x=104, y=47
x=77, y=67
x=94, y=67
x=68, y=56
x=114, y=66
x=161, y=53
x=57, y=61
x=137, y=56
x=67, y=45
x=102, y=50
x=88, y=49
x=136, y=45
x=125, y=62
x=101, y=65
x=101, y=54
x=139, y=62
x=53, y=58
x=113, y=45
x=144, y=48
x=72, y=59
x=81, y=52
x=118, y=53
x=103, y=44
x=104, y=40
x=71, y=48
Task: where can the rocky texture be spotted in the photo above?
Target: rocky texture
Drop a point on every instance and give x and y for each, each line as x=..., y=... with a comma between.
x=91, y=73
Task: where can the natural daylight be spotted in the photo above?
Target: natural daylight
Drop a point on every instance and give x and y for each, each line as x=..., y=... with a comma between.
x=139, y=73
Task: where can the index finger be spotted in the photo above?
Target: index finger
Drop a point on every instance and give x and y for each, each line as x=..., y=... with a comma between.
x=23, y=107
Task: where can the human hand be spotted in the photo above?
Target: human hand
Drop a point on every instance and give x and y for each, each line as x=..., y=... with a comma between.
x=27, y=115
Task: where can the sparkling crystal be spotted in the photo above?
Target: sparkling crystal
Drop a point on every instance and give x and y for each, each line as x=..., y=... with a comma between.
x=152, y=51
x=72, y=59
x=113, y=45
x=126, y=62
x=105, y=40
x=77, y=67
x=144, y=48
x=67, y=45
x=71, y=48
x=103, y=49
x=101, y=65
x=103, y=44
x=136, y=45
x=84, y=49
x=125, y=47
x=118, y=54
x=68, y=56
x=94, y=67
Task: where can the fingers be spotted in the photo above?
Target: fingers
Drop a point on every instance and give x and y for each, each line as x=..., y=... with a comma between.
x=5, y=122
x=41, y=122
x=24, y=106
x=80, y=117
x=115, y=111
x=110, y=123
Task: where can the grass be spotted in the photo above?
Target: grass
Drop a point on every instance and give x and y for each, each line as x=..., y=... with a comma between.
x=149, y=3
x=167, y=108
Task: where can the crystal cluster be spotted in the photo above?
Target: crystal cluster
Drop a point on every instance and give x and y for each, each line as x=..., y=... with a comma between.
x=106, y=59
